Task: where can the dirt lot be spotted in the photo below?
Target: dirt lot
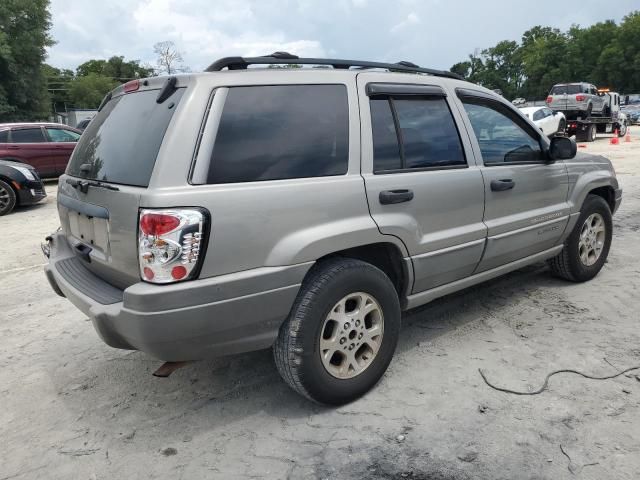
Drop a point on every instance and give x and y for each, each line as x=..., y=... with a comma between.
x=71, y=407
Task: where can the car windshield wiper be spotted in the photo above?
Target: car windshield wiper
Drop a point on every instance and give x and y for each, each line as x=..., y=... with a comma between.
x=83, y=185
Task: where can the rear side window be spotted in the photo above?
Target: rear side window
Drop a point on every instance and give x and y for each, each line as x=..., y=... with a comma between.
x=62, y=135
x=4, y=136
x=122, y=142
x=27, y=135
x=281, y=131
x=410, y=133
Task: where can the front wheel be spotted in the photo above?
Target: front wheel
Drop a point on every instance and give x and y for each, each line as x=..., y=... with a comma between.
x=341, y=333
x=622, y=131
x=7, y=198
x=587, y=248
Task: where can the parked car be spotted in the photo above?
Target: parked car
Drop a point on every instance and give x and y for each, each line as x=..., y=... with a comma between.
x=318, y=205
x=519, y=102
x=633, y=113
x=576, y=100
x=83, y=124
x=548, y=121
x=46, y=146
x=19, y=185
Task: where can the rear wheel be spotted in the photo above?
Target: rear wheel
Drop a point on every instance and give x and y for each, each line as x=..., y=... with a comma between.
x=587, y=248
x=591, y=133
x=7, y=198
x=622, y=131
x=341, y=333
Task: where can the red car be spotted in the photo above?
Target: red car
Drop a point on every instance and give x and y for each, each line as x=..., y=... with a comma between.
x=45, y=146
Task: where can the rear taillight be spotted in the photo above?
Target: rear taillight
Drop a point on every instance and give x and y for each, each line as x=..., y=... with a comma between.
x=549, y=99
x=170, y=244
x=131, y=86
x=580, y=98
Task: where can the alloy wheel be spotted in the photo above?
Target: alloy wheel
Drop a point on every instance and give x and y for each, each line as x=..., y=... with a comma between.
x=592, y=239
x=351, y=335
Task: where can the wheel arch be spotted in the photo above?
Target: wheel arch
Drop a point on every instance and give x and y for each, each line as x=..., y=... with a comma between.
x=386, y=256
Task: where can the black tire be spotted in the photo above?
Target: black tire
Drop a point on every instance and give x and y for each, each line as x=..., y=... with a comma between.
x=591, y=133
x=297, y=348
x=589, y=111
x=622, y=131
x=7, y=198
x=567, y=264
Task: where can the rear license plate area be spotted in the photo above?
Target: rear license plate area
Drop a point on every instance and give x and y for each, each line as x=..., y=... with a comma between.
x=91, y=231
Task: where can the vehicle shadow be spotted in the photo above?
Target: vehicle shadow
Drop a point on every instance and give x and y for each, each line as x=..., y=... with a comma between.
x=213, y=393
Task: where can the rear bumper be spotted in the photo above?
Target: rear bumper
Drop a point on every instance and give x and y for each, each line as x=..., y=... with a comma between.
x=185, y=321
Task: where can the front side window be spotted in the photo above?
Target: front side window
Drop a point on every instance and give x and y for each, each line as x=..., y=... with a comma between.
x=62, y=135
x=281, y=131
x=423, y=134
x=27, y=135
x=538, y=115
x=502, y=136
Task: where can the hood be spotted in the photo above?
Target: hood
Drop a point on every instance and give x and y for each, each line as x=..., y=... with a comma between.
x=11, y=163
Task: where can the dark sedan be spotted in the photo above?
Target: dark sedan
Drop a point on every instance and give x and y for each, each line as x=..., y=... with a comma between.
x=45, y=146
x=19, y=185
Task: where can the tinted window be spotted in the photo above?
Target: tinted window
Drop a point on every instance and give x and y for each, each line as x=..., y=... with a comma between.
x=27, y=135
x=281, y=131
x=386, y=150
x=427, y=129
x=570, y=89
x=501, y=136
x=4, y=136
x=62, y=135
x=538, y=115
x=121, y=144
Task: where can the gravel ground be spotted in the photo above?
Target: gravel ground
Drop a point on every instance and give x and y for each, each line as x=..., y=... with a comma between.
x=71, y=407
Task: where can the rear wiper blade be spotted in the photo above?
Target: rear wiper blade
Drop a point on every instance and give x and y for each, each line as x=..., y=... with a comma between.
x=83, y=185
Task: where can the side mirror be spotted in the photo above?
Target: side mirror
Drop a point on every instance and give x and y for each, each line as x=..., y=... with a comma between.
x=562, y=148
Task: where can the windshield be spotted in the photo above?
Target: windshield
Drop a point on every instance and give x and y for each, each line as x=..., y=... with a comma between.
x=569, y=89
x=122, y=142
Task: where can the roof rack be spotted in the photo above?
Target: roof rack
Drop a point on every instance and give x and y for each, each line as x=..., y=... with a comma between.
x=278, y=58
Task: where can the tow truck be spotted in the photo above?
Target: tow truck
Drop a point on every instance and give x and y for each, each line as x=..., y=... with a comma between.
x=614, y=120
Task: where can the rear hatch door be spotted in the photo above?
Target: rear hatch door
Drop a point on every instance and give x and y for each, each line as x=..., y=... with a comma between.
x=111, y=167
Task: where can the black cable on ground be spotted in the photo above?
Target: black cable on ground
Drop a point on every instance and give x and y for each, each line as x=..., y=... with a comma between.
x=546, y=380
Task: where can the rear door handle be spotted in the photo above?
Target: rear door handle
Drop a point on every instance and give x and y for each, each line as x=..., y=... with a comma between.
x=13, y=147
x=502, y=185
x=389, y=197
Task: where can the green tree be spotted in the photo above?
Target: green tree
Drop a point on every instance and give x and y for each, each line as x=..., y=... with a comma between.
x=116, y=67
x=58, y=81
x=88, y=91
x=24, y=36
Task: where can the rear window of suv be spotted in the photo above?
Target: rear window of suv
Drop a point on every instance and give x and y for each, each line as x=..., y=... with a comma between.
x=121, y=144
x=569, y=89
x=277, y=132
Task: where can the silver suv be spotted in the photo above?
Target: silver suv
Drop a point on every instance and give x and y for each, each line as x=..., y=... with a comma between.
x=304, y=209
x=577, y=100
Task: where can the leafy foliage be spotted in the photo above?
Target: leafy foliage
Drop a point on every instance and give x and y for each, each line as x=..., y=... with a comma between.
x=24, y=35
x=605, y=54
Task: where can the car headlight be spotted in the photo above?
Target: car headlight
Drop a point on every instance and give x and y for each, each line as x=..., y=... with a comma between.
x=26, y=172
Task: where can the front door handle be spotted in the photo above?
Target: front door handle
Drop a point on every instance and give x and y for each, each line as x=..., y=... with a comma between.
x=502, y=185
x=389, y=197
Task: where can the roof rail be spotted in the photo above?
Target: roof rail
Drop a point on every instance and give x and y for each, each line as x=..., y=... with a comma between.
x=277, y=58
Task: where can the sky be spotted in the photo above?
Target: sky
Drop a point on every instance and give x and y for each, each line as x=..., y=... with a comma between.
x=430, y=33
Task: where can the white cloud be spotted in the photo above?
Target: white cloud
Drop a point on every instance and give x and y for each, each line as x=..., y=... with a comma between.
x=367, y=29
x=412, y=19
